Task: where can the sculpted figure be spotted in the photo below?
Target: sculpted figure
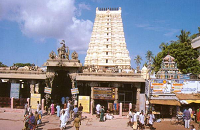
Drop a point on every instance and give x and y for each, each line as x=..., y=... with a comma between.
x=75, y=55
x=52, y=55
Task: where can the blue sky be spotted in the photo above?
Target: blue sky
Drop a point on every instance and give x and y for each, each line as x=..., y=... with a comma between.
x=29, y=31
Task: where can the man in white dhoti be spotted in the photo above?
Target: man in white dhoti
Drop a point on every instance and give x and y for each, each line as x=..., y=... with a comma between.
x=62, y=120
x=151, y=119
x=67, y=115
x=98, y=108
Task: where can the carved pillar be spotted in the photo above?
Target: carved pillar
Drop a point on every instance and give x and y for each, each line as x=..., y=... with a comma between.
x=138, y=99
x=116, y=95
x=32, y=87
x=92, y=100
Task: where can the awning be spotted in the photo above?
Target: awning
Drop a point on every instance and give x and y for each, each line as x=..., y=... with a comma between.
x=190, y=96
x=166, y=102
x=189, y=101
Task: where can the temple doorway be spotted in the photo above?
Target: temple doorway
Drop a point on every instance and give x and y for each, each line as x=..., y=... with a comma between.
x=61, y=86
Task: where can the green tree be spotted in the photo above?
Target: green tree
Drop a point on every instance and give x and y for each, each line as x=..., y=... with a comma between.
x=2, y=65
x=22, y=64
x=138, y=59
x=149, y=56
x=163, y=46
x=185, y=56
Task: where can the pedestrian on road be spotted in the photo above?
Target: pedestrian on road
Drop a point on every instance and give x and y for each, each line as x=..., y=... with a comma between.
x=29, y=110
x=38, y=106
x=52, y=109
x=80, y=109
x=40, y=113
x=98, y=108
x=129, y=116
x=141, y=120
x=26, y=107
x=134, y=119
x=151, y=120
x=26, y=120
x=58, y=110
x=32, y=122
x=102, y=114
x=187, y=117
x=77, y=122
x=62, y=119
x=36, y=119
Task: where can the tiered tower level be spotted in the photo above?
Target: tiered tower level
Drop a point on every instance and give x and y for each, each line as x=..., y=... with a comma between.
x=107, y=47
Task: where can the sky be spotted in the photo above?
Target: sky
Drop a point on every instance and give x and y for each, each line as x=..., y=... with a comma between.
x=30, y=30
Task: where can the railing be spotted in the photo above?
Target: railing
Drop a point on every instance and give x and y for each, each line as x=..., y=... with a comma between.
x=22, y=72
x=5, y=101
x=19, y=103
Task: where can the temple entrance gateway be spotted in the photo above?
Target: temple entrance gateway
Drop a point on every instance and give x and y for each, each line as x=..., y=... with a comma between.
x=61, y=86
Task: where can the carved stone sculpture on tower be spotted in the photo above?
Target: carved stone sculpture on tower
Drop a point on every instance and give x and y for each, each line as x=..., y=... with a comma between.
x=52, y=55
x=75, y=55
x=62, y=53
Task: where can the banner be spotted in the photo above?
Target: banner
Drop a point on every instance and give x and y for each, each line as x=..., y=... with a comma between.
x=47, y=90
x=14, y=90
x=85, y=102
x=74, y=91
x=34, y=99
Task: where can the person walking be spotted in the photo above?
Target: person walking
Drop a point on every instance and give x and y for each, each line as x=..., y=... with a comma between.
x=26, y=108
x=40, y=116
x=58, y=110
x=38, y=106
x=141, y=120
x=151, y=120
x=77, y=122
x=98, y=108
x=187, y=117
x=80, y=109
x=102, y=114
x=52, y=109
x=62, y=119
x=75, y=111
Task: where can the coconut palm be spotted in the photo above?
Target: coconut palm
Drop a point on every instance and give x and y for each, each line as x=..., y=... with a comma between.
x=149, y=56
x=138, y=59
x=163, y=46
x=184, y=37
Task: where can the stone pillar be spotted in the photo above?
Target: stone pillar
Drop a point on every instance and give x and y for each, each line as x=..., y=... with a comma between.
x=138, y=100
x=37, y=88
x=130, y=106
x=92, y=101
x=116, y=95
x=43, y=101
x=120, y=109
x=12, y=103
x=32, y=88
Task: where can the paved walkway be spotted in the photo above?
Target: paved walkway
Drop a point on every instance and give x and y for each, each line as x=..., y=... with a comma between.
x=14, y=121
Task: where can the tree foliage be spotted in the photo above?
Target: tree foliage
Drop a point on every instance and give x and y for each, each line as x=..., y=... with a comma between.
x=2, y=65
x=22, y=64
x=185, y=56
x=138, y=59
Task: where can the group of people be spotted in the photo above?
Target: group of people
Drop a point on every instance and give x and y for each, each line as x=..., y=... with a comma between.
x=138, y=119
x=32, y=121
x=100, y=110
x=66, y=114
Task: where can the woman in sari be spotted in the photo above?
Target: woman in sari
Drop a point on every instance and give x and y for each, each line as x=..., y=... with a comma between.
x=52, y=109
x=102, y=114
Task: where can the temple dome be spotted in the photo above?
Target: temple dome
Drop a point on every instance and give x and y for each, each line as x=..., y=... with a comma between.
x=168, y=57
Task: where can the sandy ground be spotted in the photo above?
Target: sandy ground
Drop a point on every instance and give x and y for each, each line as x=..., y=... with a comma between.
x=14, y=121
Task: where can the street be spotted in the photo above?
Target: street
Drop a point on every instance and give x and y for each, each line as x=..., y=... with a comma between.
x=14, y=121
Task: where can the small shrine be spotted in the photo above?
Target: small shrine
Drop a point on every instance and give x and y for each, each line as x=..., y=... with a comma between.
x=168, y=69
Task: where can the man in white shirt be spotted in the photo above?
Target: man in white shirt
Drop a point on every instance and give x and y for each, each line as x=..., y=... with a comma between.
x=141, y=120
x=98, y=108
x=151, y=119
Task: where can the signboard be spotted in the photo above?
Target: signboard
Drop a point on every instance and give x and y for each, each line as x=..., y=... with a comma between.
x=189, y=87
x=47, y=90
x=104, y=93
x=14, y=91
x=34, y=99
x=85, y=102
x=74, y=91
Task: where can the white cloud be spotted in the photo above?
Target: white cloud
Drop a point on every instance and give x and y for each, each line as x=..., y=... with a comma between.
x=41, y=19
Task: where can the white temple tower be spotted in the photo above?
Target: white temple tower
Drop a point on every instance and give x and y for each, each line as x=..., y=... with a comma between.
x=107, y=47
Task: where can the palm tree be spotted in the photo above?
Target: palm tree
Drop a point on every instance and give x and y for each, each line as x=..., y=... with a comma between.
x=149, y=55
x=184, y=37
x=138, y=59
x=163, y=46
